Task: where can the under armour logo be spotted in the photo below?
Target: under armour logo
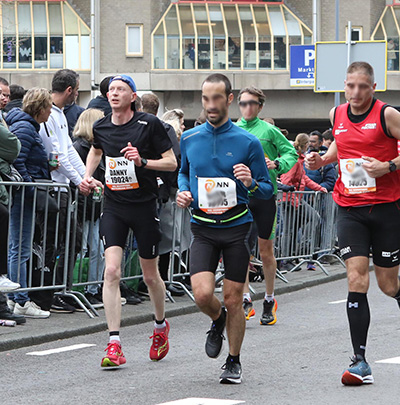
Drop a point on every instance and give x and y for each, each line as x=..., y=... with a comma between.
x=353, y=304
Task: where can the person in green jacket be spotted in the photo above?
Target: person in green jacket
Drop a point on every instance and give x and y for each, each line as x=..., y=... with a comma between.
x=280, y=157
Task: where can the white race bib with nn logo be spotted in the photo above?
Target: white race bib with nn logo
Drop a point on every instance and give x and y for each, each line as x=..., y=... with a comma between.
x=216, y=194
x=354, y=177
x=120, y=174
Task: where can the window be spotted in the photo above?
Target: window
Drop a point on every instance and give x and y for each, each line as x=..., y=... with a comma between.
x=387, y=29
x=134, y=40
x=228, y=35
x=43, y=35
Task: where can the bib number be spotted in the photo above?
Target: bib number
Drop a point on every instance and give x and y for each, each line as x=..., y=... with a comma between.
x=120, y=174
x=216, y=195
x=354, y=177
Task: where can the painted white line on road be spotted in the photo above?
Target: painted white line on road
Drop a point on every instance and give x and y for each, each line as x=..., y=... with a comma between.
x=338, y=302
x=60, y=350
x=393, y=360
x=203, y=401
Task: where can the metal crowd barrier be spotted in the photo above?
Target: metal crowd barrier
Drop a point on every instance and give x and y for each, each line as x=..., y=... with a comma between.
x=39, y=238
x=306, y=228
x=66, y=253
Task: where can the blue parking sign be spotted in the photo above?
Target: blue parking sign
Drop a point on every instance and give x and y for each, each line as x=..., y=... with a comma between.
x=302, y=58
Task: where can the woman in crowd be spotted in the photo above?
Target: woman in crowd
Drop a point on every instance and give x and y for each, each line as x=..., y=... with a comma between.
x=32, y=163
x=298, y=213
x=83, y=139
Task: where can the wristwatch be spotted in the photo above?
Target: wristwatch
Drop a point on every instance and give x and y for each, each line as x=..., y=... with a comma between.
x=392, y=166
x=277, y=163
x=144, y=162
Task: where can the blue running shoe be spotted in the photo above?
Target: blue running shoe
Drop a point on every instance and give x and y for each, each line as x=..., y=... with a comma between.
x=358, y=373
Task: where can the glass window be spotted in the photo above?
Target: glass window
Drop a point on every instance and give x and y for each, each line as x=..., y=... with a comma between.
x=56, y=36
x=249, y=38
x=71, y=38
x=24, y=36
x=233, y=37
x=134, y=40
x=379, y=35
x=264, y=37
x=278, y=29
x=219, y=37
x=188, y=50
x=203, y=37
x=171, y=23
x=85, y=46
x=40, y=34
x=392, y=40
x=394, y=50
x=9, y=36
x=158, y=48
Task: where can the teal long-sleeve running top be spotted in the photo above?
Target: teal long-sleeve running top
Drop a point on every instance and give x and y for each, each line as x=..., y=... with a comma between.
x=208, y=156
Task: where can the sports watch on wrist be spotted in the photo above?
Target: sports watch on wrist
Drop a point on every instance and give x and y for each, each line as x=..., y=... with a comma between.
x=144, y=162
x=277, y=163
x=392, y=166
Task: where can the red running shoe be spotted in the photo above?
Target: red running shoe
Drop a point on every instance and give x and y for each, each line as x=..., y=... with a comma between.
x=114, y=357
x=160, y=345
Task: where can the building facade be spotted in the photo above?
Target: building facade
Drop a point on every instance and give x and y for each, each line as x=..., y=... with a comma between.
x=169, y=47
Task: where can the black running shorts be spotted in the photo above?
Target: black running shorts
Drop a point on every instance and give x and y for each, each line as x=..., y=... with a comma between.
x=208, y=244
x=375, y=227
x=142, y=218
x=264, y=215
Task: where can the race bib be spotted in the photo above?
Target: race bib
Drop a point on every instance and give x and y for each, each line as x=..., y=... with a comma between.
x=354, y=178
x=216, y=195
x=120, y=174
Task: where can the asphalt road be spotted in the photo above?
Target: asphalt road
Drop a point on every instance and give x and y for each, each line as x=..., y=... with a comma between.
x=297, y=361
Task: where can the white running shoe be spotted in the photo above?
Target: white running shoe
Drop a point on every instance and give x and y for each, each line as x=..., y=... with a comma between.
x=7, y=285
x=11, y=305
x=31, y=310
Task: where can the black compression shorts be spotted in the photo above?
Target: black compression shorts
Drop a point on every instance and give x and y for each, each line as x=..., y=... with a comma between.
x=142, y=218
x=208, y=244
x=264, y=215
x=376, y=226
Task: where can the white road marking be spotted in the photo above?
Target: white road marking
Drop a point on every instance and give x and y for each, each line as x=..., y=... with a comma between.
x=338, y=302
x=60, y=349
x=203, y=401
x=393, y=360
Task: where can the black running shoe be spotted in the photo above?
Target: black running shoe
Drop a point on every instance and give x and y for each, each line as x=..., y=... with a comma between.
x=269, y=312
x=7, y=314
x=232, y=373
x=215, y=338
x=59, y=305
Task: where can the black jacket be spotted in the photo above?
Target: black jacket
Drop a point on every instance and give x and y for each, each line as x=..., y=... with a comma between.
x=101, y=103
x=82, y=146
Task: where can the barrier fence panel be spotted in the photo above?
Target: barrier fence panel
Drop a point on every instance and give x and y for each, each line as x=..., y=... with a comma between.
x=55, y=245
x=306, y=228
x=38, y=236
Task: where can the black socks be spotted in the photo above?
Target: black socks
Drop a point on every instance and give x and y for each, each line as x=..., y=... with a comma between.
x=359, y=318
x=220, y=322
x=233, y=359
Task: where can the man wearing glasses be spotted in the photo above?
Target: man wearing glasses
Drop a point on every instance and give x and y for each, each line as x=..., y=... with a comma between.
x=280, y=157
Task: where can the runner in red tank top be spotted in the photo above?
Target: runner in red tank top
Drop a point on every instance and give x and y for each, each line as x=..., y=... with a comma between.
x=368, y=194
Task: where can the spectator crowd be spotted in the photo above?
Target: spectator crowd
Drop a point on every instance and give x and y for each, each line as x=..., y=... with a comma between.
x=45, y=138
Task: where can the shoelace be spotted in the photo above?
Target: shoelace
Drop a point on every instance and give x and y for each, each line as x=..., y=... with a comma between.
x=157, y=336
x=112, y=348
x=215, y=334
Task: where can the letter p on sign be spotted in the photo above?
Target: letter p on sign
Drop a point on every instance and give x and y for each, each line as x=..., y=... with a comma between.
x=309, y=54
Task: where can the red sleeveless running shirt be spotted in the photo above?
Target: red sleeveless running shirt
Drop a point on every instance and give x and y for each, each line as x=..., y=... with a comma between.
x=354, y=187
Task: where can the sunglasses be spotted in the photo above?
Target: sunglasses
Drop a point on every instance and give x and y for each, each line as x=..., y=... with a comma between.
x=251, y=103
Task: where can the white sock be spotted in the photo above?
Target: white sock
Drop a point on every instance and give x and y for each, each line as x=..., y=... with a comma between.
x=160, y=326
x=115, y=337
x=269, y=298
x=246, y=296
